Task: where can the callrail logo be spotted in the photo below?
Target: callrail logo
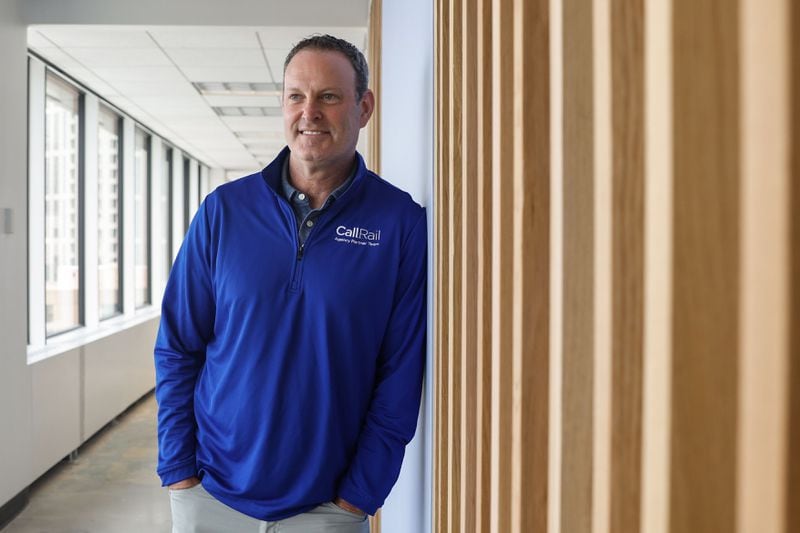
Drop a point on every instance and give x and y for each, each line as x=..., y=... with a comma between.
x=358, y=236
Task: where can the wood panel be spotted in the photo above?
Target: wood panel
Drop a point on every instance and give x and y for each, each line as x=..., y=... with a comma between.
x=531, y=266
x=374, y=52
x=658, y=303
x=502, y=261
x=705, y=266
x=793, y=468
x=627, y=117
x=578, y=274
x=764, y=217
x=484, y=263
x=442, y=511
x=674, y=177
x=454, y=223
x=469, y=267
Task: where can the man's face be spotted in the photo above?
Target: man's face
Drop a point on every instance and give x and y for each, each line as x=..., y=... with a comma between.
x=321, y=116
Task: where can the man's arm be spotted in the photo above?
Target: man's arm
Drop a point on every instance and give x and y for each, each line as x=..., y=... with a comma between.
x=392, y=417
x=187, y=322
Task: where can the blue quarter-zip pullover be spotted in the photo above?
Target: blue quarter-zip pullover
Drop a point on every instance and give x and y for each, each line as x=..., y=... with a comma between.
x=288, y=375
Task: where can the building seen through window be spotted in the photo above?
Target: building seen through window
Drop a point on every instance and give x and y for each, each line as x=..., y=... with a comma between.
x=141, y=219
x=62, y=230
x=108, y=214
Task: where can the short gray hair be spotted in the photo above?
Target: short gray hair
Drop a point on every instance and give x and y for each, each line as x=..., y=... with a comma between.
x=334, y=44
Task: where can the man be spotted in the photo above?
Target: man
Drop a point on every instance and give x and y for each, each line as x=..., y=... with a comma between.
x=290, y=353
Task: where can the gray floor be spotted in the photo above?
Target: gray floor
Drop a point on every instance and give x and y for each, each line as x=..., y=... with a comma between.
x=111, y=487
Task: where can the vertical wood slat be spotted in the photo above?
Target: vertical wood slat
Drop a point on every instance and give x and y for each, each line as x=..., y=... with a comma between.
x=531, y=266
x=454, y=266
x=502, y=262
x=793, y=470
x=578, y=269
x=764, y=361
x=484, y=263
x=705, y=266
x=658, y=303
x=469, y=273
x=375, y=38
x=627, y=78
x=443, y=510
x=603, y=211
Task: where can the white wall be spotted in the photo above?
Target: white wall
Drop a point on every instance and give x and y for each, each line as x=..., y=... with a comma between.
x=15, y=377
x=407, y=161
x=51, y=406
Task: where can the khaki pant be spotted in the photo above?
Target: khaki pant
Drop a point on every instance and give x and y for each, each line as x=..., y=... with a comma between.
x=195, y=511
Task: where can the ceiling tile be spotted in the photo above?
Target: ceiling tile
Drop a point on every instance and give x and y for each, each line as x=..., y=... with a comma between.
x=119, y=57
x=154, y=88
x=90, y=36
x=287, y=36
x=37, y=40
x=112, y=74
x=275, y=58
x=247, y=74
x=243, y=101
x=59, y=58
x=212, y=37
x=240, y=124
x=219, y=57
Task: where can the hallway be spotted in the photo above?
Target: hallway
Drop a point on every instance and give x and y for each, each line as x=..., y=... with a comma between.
x=112, y=486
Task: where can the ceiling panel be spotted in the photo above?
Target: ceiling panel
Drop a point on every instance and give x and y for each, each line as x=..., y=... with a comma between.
x=97, y=37
x=286, y=37
x=247, y=74
x=275, y=58
x=59, y=58
x=254, y=123
x=112, y=74
x=122, y=57
x=37, y=40
x=219, y=57
x=243, y=101
x=212, y=37
x=154, y=88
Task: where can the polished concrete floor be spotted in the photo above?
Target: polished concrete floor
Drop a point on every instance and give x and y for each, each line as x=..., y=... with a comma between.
x=111, y=486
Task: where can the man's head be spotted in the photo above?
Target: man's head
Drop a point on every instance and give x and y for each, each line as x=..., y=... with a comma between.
x=334, y=44
x=325, y=100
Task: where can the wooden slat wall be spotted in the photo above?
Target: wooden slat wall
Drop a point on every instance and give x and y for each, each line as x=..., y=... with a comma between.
x=677, y=245
x=374, y=133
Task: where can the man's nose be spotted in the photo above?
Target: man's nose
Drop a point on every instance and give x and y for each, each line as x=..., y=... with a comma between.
x=311, y=110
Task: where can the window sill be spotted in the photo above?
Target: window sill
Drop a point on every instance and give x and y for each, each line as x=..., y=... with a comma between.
x=76, y=338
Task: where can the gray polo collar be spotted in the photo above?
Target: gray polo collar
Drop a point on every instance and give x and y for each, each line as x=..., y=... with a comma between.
x=289, y=191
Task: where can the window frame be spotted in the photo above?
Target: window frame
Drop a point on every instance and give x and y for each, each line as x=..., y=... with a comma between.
x=80, y=222
x=120, y=213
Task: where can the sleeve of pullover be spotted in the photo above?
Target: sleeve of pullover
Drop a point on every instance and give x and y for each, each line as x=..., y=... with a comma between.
x=187, y=322
x=392, y=417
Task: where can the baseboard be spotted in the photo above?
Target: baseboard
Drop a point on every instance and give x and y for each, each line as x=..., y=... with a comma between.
x=13, y=507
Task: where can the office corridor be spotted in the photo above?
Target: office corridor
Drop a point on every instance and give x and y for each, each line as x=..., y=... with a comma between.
x=111, y=487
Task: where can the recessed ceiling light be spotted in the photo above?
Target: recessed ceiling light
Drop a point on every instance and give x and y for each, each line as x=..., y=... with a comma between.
x=228, y=88
x=247, y=111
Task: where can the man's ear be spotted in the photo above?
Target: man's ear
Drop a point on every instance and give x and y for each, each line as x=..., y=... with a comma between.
x=367, y=105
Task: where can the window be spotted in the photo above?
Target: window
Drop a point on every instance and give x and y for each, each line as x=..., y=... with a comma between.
x=141, y=219
x=187, y=217
x=109, y=271
x=62, y=174
x=165, y=199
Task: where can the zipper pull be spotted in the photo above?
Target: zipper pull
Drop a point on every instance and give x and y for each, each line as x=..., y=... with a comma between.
x=300, y=252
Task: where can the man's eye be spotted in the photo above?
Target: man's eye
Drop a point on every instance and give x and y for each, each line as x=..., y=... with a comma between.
x=293, y=97
x=329, y=97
